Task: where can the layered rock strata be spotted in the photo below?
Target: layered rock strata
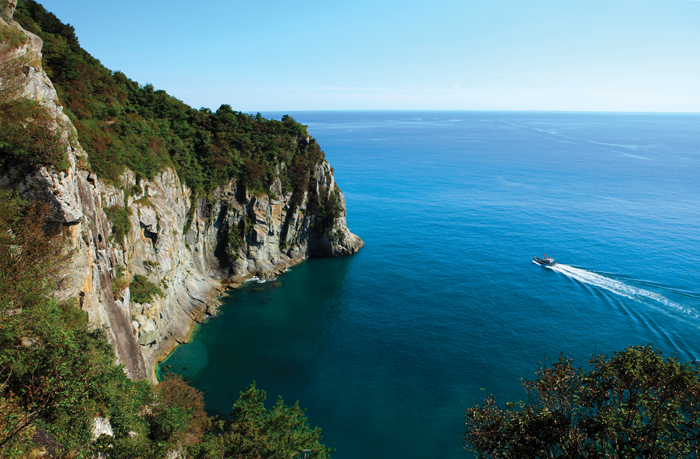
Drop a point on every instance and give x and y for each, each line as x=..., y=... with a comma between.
x=178, y=243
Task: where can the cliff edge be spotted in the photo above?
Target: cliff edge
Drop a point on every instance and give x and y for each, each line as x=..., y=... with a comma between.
x=188, y=248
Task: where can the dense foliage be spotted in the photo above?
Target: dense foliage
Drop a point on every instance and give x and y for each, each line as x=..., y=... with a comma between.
x=122, y=124
x=635, y=404
x=24, y=146
x=57, y=375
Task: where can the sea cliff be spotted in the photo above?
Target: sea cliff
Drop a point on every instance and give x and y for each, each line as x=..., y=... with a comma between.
x=180, y=241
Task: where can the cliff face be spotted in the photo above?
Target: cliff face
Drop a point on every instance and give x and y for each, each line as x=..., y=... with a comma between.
x=180, y=244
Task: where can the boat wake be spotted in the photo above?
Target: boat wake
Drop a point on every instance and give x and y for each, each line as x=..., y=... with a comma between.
x=622, y=289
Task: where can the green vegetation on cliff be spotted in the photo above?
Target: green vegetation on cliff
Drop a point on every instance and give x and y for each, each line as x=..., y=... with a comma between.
x=122, y=124
x=143, y=290
x=14, y=37
x=57, y=374
x=119, y=216
x=25, y=146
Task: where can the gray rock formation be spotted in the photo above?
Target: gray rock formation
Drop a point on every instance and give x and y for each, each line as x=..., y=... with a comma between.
x=7, y=9
x=183, y=251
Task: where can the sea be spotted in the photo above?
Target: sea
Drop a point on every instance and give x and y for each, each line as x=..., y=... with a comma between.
x=443, y=306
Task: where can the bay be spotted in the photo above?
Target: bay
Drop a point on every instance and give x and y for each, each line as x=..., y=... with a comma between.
x=443, y=306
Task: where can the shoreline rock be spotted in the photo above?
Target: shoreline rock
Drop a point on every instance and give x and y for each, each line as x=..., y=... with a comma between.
x=211, y=310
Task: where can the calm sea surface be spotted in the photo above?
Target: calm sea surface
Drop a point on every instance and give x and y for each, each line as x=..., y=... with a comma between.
x=443, y=305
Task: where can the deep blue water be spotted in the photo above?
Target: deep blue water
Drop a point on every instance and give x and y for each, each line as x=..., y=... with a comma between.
x=443, y=306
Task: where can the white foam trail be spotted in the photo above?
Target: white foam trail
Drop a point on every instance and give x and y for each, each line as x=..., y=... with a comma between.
x=620, y=288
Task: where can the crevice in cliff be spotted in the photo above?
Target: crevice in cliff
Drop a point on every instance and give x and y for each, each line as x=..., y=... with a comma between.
x=222, y=226
x=149, y=235
x=284, y=233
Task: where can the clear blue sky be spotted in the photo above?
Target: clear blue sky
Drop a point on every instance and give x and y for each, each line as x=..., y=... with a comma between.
x=256, y=55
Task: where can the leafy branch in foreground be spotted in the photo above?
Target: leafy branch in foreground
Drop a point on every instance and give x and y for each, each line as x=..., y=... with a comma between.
x=635, y=404
x=255, y=432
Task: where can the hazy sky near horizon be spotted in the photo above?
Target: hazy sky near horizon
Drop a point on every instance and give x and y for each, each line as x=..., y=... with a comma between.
x=599, y=55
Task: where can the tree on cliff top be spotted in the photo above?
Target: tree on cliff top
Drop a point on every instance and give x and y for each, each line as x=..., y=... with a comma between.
x=635, y=404
x=122, y=124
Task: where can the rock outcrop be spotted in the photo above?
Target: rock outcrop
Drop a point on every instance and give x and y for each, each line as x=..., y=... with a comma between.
x=180, y=244
x=7, y=9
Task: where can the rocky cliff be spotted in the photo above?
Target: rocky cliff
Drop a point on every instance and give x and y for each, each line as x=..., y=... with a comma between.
x=190, y=248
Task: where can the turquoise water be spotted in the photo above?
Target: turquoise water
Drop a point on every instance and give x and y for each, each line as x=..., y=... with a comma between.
x=443, y=305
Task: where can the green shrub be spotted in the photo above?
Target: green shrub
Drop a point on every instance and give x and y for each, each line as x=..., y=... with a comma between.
x=190, y=215
x=119, y=217
x=120, y=282
x=144, y=201
x=12, y=36
x=143, y=290
x=234, y=241
x=236, y=236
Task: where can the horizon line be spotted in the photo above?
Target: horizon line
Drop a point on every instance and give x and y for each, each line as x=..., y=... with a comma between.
x=649, y=112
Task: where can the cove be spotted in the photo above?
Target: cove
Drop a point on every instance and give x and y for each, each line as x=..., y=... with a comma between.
x=443, y=306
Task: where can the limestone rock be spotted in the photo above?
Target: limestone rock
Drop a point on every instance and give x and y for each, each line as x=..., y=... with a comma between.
x=148, y=218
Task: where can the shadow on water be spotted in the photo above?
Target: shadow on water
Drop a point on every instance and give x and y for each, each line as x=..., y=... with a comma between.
x=271, y=332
